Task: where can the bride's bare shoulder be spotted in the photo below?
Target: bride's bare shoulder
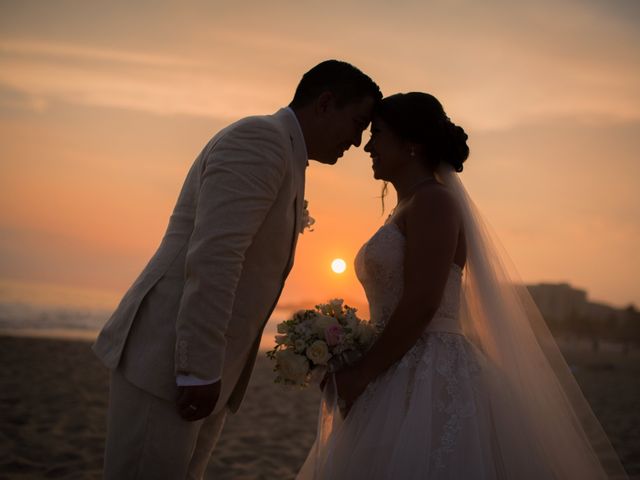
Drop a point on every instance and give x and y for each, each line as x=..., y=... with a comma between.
x=436, y=197
x=431, y=207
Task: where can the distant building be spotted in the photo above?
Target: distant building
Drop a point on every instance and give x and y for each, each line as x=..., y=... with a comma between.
x=559, y=301
x=561, y=304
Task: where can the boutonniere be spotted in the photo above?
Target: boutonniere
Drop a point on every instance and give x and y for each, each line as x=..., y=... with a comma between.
x=307, y=220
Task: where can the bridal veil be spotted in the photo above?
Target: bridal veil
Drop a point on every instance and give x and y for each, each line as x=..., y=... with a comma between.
x=543, y=425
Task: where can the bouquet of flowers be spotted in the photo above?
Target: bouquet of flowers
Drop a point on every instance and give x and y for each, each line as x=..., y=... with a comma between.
x=317, y=341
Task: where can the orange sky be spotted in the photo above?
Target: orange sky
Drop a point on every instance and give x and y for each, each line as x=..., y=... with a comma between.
x=104, y=107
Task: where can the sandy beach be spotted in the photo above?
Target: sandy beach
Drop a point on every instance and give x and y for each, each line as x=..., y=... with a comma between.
x=54, y=398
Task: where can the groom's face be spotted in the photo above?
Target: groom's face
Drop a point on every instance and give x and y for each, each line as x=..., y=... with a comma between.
x=341, y=127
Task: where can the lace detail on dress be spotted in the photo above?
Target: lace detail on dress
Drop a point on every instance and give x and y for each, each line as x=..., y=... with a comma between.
x=379, y=266
x=451, y=357
x=441, y=350
x=457, y=367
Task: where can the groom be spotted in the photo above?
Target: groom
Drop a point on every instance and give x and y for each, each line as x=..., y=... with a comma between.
x=182, y=343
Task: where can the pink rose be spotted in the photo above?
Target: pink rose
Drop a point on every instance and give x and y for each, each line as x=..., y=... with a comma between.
x=333, y=334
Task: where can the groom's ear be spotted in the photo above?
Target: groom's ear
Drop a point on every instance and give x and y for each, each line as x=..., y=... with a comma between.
x=323, y=102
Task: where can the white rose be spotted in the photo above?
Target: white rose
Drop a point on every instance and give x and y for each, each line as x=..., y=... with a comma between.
x=322, y=323
x=318, y=352
x=292, y=366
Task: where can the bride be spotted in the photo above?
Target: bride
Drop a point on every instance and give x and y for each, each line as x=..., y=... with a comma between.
x=465, y=380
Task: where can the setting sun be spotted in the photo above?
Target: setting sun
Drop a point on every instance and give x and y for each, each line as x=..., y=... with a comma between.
x=338, y=265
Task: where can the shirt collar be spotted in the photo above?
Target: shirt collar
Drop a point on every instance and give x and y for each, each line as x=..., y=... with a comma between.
x=293, y=114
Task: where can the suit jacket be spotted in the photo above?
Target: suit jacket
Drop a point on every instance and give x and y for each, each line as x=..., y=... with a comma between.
x=201, y=303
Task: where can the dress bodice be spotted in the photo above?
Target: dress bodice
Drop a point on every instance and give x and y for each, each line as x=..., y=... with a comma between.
x=379, y=266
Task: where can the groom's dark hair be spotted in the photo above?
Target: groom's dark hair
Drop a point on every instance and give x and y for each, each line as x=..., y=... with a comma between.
x=343, y=80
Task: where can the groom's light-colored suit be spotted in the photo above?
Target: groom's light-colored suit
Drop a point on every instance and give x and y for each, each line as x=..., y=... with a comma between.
x=201, y=303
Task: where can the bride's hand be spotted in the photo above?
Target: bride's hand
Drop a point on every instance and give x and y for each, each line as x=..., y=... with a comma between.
x=350, y=384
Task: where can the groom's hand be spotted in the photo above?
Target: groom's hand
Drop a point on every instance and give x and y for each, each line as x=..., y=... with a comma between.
x=197, y=402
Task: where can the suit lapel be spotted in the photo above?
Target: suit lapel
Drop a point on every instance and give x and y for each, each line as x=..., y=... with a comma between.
x=299, y=203
x=299, y=161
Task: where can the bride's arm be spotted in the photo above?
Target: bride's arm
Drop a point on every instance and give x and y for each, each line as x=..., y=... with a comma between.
x=432, y=229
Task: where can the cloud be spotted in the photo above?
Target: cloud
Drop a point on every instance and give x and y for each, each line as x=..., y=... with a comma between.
x=493, y=69
x=78, y=52
x=128, y=80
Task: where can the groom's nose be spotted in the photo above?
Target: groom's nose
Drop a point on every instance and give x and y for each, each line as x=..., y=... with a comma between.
x=357, y=140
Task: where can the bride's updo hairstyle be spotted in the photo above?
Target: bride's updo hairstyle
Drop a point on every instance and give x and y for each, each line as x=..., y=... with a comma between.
x=419, y=118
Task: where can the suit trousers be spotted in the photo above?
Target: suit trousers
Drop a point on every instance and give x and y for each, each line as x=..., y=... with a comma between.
x=147, y=439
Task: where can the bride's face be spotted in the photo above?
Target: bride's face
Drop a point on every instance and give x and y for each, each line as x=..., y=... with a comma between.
x=388, y=152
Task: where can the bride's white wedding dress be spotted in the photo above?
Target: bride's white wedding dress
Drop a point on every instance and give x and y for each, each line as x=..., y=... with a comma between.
x=426, y=417
x=483, y=394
